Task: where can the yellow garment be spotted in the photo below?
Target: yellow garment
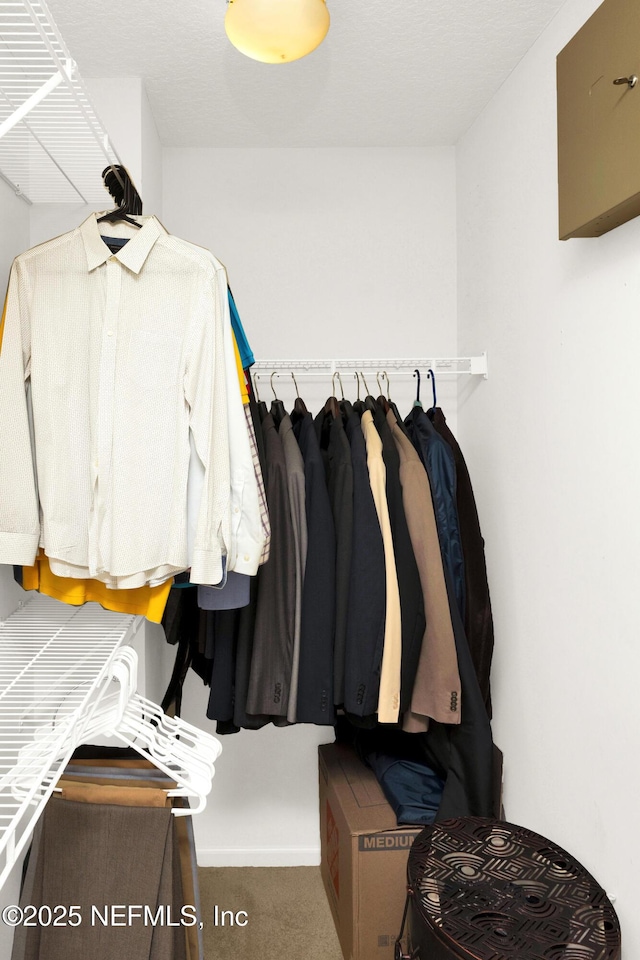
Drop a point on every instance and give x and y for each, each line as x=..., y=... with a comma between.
x=146, y=601
x=241, y=377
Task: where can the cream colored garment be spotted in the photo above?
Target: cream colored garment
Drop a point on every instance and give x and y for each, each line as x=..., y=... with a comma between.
x=436, y=688
x=247, y=529
x=389, y=696
x=125, y=356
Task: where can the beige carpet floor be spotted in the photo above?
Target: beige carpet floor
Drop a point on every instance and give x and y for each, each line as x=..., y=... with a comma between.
x=287, y=910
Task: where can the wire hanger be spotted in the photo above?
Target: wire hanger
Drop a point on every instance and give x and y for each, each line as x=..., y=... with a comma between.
x=382, y=400
x=278, y=411
x=365, y=384
x=299, y=407
x=332, y=406
x=262, y=406
x=357, y=377
x=433, y=386
x=333, y=384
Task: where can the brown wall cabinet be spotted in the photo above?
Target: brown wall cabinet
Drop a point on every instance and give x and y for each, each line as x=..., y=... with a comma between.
x=599, y=122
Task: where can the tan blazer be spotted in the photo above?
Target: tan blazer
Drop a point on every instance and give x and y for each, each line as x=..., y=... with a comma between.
x=436, y=689
x=389, y=696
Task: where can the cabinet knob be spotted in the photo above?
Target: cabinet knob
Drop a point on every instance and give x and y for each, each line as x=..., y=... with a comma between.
x=631, y=81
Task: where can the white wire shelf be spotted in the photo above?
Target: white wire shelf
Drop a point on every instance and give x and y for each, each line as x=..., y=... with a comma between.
x=53, y=146
x=476, y=366
x=54, y=659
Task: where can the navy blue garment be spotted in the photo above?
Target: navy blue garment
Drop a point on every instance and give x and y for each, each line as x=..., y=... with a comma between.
x=413, y=789
x=367, y=589
x=478, y=620
x=437, y=458
x=318, y=614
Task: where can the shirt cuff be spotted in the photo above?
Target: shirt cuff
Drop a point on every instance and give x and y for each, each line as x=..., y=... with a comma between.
x=206, y=567
x=247, y=557
x=19, y=548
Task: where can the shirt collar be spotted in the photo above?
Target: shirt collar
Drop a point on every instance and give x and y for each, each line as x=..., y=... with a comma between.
x=132, y=255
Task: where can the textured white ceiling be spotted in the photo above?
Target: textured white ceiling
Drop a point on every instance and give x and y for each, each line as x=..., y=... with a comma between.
x=390, y=73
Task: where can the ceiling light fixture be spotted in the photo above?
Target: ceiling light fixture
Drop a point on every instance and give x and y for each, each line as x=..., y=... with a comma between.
x=276, y=31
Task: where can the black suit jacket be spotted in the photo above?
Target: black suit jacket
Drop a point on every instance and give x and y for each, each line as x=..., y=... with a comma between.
x=464, y=751
x=478, y=619
x=411, y=596
x=337, y=459
x=271, y=657
x=318, y=618
x=367, y=590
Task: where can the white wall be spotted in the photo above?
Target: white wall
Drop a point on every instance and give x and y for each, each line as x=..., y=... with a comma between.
x=552, y=446
x=14, y=238
x=330, y=253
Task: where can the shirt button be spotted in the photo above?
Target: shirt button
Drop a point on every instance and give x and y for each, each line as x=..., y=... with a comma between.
x=236, y=509
x=109, y=333
x=113, y=259
x=246, y=557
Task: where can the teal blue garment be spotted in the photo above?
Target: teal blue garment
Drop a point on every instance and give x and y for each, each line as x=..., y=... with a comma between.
x=246, y=354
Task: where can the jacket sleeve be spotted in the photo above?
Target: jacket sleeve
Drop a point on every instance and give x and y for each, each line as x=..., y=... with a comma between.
x=206, y=395
x=19, y=513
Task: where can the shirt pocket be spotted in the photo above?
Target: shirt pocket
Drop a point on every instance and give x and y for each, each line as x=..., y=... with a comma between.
x=154, y=360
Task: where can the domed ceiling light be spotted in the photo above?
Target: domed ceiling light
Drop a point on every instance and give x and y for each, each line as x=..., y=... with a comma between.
x=276, y=31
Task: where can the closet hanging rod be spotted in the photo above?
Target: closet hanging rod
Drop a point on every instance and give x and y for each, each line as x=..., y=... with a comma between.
x=475, y=366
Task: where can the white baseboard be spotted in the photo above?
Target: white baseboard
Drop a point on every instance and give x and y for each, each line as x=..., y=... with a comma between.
x=260, y=857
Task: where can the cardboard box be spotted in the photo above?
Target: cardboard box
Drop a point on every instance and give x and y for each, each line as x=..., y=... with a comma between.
x=363, y=856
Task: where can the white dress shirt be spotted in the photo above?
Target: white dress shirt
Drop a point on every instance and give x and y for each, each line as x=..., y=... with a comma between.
x=247, y=532
x=125, y=356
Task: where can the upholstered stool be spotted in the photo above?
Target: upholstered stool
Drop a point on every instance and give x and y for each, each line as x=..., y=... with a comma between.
x=489, y=890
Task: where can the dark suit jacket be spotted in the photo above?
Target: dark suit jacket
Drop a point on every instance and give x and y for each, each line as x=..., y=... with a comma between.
x=367, y=590
x=318, y=621
x=438, y=461
x=411, y=597
x=272, y=652
x=337, y=459
x=464, y=752
x=478, y=620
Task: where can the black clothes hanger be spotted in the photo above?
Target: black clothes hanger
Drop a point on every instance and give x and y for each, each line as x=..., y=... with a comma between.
x=128, y=200
x=433, y=385
x=417, y=402
x=278, y=411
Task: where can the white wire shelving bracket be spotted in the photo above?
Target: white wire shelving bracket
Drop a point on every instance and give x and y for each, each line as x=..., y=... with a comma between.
x=476, y=366
x=52, y=143
x=54, y=659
